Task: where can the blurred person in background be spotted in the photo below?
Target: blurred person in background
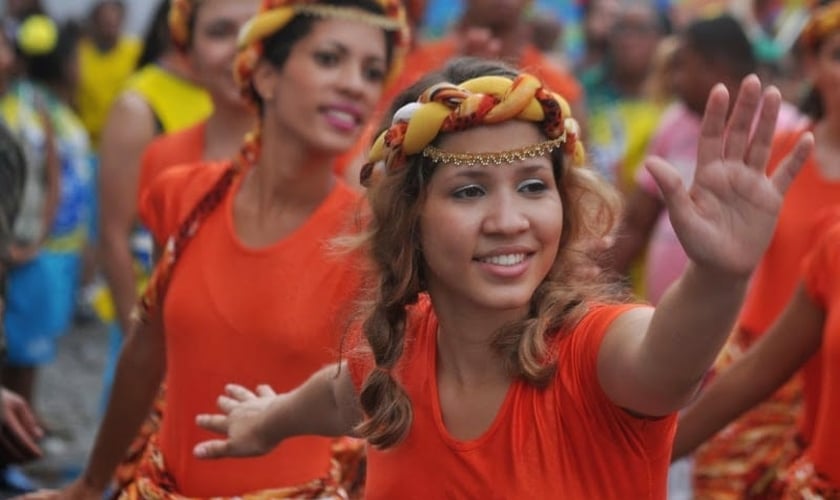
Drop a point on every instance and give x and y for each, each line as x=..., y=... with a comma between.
x=161, y=97
x=107, y=58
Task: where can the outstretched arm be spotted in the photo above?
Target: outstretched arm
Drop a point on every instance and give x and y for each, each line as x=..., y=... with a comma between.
x=254, y=423
x=789, y=343
x=652, y=362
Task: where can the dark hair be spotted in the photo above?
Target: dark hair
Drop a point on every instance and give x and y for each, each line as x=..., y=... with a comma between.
x=156, y=40
x=722, y=40
x=278, y=46
x=50, y=68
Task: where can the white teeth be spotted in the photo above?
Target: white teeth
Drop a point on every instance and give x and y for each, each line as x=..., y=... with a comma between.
x=344, y=116
x=505, y=260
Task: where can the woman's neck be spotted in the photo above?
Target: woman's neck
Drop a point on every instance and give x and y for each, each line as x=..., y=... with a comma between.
x=827, y=146
x=225, y=130
x=288, y=176
x=465, y=339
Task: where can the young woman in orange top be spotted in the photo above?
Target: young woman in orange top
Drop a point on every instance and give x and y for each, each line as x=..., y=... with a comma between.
x=495, y=369
x=250, y=251
x=742, y=459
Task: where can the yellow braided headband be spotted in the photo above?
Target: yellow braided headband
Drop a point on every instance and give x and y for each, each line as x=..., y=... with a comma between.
x=824, y=21
x=275, y=14
x=486, y=100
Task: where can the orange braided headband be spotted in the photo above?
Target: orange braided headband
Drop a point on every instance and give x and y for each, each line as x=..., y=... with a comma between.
x=486, y=100
x=180, y=13
x=824, y=21
x=275, y=14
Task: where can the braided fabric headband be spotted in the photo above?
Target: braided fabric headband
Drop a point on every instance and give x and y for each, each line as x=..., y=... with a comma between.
x=275, y=14
x=486, y=100
x=180, y=13
x=823, y=22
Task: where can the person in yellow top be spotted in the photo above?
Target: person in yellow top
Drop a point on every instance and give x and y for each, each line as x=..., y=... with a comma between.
x=107, y=58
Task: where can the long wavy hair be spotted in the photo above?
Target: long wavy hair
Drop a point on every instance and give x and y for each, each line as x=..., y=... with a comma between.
x=392, y=241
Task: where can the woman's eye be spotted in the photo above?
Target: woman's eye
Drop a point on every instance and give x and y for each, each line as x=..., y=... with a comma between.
x=326, y=58
x=471, y=191
x=374, y=74
x=221, y=30
x=532, y=186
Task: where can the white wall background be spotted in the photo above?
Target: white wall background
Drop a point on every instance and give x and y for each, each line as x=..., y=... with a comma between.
x=138, y=11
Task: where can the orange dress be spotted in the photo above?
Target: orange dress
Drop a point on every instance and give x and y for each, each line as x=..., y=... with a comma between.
x=271, y=315
x=567, y=440
x=743, y=460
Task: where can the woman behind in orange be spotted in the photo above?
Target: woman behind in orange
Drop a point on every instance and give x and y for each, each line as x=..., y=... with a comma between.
x=742, y=460
x=493, y=368
x=807, y=330
x=207, y=32
x=252, y=288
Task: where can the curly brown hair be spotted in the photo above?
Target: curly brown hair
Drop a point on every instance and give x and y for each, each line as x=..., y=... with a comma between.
x=392, y=241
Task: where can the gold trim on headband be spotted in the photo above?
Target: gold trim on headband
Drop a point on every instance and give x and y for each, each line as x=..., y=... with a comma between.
x=438, y=155
x=350, y=14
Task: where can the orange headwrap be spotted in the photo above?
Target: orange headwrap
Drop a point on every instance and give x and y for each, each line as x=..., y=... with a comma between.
x=824, y=21
x=275, y=14
x=180, y=14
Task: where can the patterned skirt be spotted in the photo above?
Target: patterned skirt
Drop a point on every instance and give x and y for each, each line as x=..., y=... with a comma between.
x=802, y=481
x=143, y=473
x=745, y=459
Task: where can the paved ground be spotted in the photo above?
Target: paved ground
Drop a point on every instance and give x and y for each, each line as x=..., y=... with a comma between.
x=68, y=400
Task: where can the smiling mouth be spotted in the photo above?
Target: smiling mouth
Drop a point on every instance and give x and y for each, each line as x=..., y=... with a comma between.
x=504, y=260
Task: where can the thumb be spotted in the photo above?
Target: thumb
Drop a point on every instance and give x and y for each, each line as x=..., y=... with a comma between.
x=670, y=184
x=216, y=448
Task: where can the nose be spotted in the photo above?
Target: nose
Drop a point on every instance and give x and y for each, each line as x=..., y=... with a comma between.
x=352, y=80
x=505, y=215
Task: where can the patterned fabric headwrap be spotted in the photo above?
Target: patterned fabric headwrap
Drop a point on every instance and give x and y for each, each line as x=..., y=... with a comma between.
x=486, y=100
x=180, y=14
x=275, y=14
x=824, y=21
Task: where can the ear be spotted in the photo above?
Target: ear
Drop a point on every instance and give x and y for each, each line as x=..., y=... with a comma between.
x=265, y=77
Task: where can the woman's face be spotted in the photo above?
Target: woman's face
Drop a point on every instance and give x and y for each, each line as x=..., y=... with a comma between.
x=490, y=235
x=325, y=92
x=825, y=73
x=213, y=48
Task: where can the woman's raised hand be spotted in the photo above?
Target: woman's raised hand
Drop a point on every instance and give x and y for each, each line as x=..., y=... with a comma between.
x=726, y=218
x=241, y=420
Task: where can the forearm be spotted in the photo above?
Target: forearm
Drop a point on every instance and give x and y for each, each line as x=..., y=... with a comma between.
x=118, y=268
x=325, y=405
x=138, y=377
x=686, y=332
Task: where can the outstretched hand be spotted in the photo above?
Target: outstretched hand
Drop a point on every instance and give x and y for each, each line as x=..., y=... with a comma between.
x=240, y=422
x=726, y=218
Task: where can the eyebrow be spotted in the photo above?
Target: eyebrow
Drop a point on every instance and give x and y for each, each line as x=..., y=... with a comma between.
x=344, y=50
x=481, y=172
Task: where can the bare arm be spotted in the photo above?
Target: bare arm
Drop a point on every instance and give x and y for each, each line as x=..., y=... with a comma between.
x=325, y=405
x=128, y=130
x=642, y=212
x=652, y=363
x=780, y=353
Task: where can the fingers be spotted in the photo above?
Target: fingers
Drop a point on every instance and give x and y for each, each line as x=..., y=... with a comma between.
x=265, y=390
x=670, y=183
x=18, y=435
x=740, y=122
x=226, y=404
x=213, y=423
x=713, y=126
x=239, y=393
x=792, y=164
x=216, y=448
x=40, y=495
x=762, y=137
x=27, y=420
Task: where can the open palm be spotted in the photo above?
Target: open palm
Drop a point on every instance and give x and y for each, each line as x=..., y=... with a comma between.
x=726, y=218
